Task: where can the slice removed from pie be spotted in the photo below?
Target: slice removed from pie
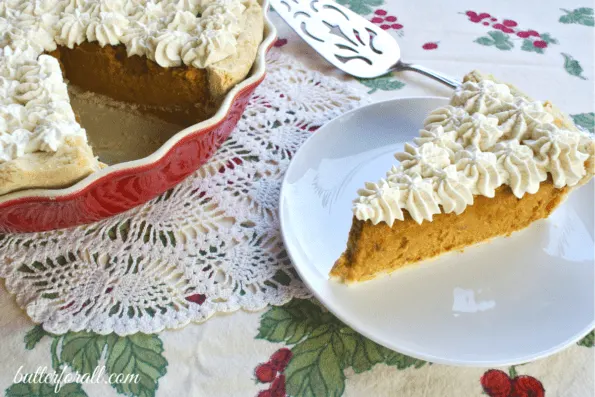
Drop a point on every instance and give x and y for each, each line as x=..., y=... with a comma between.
x=490, y=163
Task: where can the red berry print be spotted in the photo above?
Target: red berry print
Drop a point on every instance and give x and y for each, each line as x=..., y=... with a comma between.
x=540, y=44
x=503, y=28
x=265, y=393
x=280, y=359
x=278, y=387
x=473, y=17
x=196, y=298
x=533, y=33
x=265, y=373
x=510, y=23
x=485, y=23
x=526, y=386
x=430, y=46
x=523, y=35
x=280, y=42
x=493, y=19
x=496, y=383
x=385, y=21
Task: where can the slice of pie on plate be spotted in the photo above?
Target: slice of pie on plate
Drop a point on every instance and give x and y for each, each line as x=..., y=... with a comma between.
x=490, y=163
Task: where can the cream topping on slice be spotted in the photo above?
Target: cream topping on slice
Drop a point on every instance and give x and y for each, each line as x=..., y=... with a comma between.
x=484, y=139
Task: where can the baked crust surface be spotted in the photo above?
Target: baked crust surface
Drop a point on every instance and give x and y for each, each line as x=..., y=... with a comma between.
x=70, y=163
x=183, y=95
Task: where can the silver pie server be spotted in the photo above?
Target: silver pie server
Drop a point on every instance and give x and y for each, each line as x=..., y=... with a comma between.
x=347, y=40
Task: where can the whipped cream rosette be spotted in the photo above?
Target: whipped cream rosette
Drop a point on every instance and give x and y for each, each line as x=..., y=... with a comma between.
x=485, y=138
x=35, y=114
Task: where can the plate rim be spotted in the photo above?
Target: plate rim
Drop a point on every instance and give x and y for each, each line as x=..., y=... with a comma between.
x=332, y=308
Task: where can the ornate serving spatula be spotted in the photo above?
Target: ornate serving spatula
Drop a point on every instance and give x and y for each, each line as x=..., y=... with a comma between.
x=348, y=41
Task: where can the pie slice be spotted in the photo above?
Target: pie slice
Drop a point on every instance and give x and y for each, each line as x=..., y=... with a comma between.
x=490, y=163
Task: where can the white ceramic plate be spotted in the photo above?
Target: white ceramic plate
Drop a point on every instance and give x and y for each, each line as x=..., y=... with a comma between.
x=506, y=302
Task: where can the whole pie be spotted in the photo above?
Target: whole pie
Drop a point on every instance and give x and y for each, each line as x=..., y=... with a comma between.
x=173, y=58
x=490, y=163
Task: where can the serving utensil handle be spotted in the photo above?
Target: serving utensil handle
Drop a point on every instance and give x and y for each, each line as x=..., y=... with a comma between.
x=452, y=83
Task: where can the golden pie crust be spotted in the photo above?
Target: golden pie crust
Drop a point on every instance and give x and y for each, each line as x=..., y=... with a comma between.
x=182, y=95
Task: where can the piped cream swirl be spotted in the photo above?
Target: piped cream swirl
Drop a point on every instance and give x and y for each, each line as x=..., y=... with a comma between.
x=558, y=151
x=479, y=170
x=518, y=122
x=453, y=194
x=479, y=131
x=423, y=160
x=518, y=167
x=441, y=138
x=483, y=97
x=378, y=202
x=485, y=139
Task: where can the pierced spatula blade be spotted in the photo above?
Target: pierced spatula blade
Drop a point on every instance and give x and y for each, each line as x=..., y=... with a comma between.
x=345, y=39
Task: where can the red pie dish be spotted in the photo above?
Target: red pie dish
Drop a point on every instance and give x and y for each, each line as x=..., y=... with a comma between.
x=122, y=186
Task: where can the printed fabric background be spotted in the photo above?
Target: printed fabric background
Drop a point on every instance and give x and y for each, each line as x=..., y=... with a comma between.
x=297, y=348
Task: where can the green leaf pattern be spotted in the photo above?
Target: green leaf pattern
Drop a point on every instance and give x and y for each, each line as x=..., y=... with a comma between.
x=585, y=120
x=384, y=83
x=134, y=355
x=137, y=354
x=588, y=341
x=362, y=7
x=496, y=39
x=44, y=390
x=529, y=47
x=34, y=336
x=324, y=348
x=572, y=66
x=548, y=38
x=581, y=16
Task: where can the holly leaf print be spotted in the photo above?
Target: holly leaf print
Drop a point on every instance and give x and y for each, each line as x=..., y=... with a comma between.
x=548, y=38
x=581, y=16
x=496, y=39
x=138, y=358
x=315, y=369
x=588, y=341
x=528, y=46
x=290, y=323
x=401, y=361
x=138, y=354
x=34, y=336
x=82, y=351
x=585, y=120
x=573, y=67
x=324, y=348
x=383, y=83
x=362, y=7
x=361, y=353
x=44, y=390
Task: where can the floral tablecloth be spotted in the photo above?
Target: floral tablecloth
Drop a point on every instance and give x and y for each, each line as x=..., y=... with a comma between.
x=299, y=349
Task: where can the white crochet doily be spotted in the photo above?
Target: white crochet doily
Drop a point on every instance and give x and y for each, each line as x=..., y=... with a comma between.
x=211, y=244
